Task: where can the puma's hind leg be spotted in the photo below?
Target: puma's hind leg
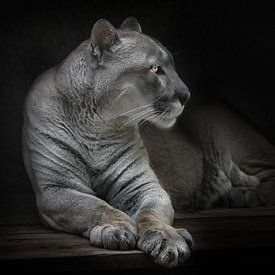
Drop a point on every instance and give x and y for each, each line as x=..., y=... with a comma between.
x=244, y=192
x=249, y=190
x=239, y=163
x=225, y=184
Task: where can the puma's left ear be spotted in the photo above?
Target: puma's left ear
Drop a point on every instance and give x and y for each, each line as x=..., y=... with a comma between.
x=103, y=37
x=131, y=24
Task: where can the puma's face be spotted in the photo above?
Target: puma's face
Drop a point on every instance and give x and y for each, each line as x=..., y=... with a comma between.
x=142, y=81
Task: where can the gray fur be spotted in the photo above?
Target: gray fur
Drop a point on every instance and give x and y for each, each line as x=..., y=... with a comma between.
x=96, y=173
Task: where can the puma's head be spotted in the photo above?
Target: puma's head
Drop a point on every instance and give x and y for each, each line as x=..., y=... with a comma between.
x=134, y=76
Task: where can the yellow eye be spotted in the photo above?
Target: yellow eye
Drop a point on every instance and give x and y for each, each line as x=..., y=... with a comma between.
x=155, y=68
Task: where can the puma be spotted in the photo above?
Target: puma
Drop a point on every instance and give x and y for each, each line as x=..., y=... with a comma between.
x=102, y=163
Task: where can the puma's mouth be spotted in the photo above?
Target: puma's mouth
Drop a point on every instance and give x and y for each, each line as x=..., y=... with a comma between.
x=170, y=119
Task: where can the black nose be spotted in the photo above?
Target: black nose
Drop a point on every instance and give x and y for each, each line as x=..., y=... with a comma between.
x=183, y=95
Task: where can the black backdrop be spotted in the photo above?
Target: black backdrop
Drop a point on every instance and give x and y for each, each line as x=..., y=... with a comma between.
x=225, y=51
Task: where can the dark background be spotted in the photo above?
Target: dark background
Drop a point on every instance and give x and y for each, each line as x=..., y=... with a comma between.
x=224, y=51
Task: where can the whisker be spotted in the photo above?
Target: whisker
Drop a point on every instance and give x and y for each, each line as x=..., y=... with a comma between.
x=156, y=118
x=147, y=119
x=140, y=107
x=137, y=108
x=136, y=116
x=144, y=112
x=160, y=116
x=139, y=116
x=165, y=113
x=123, y=91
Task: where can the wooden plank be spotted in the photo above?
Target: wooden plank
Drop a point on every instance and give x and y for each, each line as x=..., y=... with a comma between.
x=32, y=241
x=24, y=239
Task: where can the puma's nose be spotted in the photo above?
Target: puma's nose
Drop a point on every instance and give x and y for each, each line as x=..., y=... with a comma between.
x=183, y=95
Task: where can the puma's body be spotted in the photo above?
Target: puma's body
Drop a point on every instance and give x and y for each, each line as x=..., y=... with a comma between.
x=94, y=173
x=212, y=157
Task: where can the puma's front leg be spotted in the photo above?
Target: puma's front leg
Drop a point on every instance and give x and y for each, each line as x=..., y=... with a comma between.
x=76, y=212
x=154, y=216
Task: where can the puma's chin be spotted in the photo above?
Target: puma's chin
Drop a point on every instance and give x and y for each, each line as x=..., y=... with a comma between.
x=166, y=123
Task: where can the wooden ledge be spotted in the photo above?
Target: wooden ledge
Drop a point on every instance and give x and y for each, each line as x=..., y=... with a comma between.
x=24, y=241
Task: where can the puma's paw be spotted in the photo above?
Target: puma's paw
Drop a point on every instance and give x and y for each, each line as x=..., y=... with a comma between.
x=169, y=247
x=117, y=235
x=254, y=198
x=244, y=197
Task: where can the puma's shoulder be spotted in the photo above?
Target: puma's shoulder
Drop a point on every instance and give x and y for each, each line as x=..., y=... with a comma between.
x=40, y=103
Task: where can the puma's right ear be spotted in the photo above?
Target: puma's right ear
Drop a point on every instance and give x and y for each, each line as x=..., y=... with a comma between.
x=103, y=37
x=131, y=24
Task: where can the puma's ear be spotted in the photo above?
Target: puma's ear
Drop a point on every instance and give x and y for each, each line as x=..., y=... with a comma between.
x=131, y=24
x=103, y=36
